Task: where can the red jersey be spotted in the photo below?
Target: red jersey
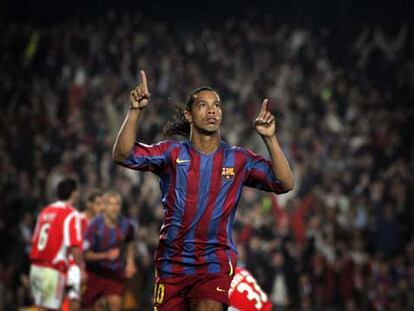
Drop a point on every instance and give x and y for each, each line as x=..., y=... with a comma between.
x=84, y=221
x=245, y=294
x=57, y=229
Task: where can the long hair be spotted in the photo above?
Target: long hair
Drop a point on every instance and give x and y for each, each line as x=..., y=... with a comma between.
x=179, y=126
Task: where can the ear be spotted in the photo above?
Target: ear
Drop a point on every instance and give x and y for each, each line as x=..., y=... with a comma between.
x=188, y=116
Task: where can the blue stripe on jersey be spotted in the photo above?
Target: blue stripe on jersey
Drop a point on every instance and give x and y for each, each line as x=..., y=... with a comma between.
x=144, y=162
x=178, y=212
x=99, y=237
x=112, y=237
x=206, y=166
x=230, y=222
x=228, y=161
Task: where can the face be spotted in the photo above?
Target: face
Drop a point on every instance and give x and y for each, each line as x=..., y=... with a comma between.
x=205, y=114
x=112, y=207
x=96, y=205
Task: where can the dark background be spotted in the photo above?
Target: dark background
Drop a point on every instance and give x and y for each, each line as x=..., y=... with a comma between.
x=339, y=12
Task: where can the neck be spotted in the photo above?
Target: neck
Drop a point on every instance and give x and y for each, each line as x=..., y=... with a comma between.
x=89, y=214
x=205, y=143
x=109, y=221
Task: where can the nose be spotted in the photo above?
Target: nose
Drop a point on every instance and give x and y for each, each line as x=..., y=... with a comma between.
x=212, y=109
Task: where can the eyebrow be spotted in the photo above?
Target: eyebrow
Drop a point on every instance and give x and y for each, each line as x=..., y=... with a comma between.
x=204, y=101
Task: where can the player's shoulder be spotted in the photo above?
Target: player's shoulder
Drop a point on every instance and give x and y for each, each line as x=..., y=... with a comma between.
x=60, y=207
x=243, y=151
x=163, y=144
x=125, y=221
x=95, y=220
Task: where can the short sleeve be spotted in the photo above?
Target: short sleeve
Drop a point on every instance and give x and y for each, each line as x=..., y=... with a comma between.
x=89, y=239
x=145, y=157
x=72, y=230
x=130, y=231
x=260, y=174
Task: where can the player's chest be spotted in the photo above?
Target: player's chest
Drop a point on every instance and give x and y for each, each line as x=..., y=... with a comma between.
x=207, y=168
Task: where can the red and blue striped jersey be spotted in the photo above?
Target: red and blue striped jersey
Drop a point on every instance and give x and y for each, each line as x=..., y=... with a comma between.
x=200, y=193
x=99, y=238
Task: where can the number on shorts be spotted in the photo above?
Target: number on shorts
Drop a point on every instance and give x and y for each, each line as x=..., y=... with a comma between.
x=159, y=292
x=43, y=236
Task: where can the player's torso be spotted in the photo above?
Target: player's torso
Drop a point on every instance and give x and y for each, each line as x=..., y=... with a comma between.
x=200, y=193
x=48, y=245
x=197, y=183
x=103, y=238
x=106, y=237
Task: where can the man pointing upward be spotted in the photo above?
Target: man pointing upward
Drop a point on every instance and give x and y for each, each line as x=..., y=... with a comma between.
x=201, y=181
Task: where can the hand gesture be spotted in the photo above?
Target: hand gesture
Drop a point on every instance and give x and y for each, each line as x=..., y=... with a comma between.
x=265, y=122
x=112, y=254
x=140, y=96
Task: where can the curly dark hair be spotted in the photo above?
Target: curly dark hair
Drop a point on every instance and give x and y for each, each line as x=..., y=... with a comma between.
x=179, y=125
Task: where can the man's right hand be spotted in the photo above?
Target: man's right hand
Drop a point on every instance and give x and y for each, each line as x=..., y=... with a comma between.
x=140, y=96
x=112, y=254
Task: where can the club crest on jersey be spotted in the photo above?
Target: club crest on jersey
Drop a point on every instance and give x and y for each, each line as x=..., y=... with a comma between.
x=227, y=173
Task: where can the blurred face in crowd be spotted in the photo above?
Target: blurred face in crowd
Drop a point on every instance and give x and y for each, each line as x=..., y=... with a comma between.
x=205, y=115
x=111, y=207
x=96, y=205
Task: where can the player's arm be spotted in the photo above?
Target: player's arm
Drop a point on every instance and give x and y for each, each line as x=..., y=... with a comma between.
x=76, y=252
x=265, y=126
x=130, y=268
x=139, y=99
x=111, y=254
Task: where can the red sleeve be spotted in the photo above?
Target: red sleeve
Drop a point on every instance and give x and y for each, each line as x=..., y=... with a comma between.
x=72, y=230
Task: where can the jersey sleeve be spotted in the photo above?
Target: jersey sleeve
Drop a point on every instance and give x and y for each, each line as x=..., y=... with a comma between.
x=130, y=232
x=145, y=157
x=260, y=174
x=89, y=235
x=72, y=234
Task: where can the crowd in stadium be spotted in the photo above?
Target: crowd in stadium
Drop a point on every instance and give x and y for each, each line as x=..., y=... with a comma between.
x=341, y=98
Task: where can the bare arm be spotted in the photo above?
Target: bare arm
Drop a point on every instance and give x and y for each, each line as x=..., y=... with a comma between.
x=130, y=268
x=265, y=126
x=77, y=256
x=139, y=99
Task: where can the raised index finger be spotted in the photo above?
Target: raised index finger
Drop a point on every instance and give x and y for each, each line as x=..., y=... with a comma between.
x=144, y=80
x=264, y=106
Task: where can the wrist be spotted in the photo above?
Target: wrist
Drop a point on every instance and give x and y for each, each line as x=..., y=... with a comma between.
x=135, y=108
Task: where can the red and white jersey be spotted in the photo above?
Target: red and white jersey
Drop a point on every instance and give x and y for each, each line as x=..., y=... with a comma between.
x=245, y=294
x=57, y=229
x=84, y=221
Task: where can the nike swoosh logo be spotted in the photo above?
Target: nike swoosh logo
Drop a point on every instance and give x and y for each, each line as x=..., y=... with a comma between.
x=182, y=161
x=220, y=289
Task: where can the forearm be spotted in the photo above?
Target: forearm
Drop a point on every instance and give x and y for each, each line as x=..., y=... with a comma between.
x=77, y=256
x=126, y=135
x=280, y=165
x=92, y=256
x=130, y=253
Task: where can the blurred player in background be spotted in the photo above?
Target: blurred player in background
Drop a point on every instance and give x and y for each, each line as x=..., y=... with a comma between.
x=245, y=294
x=201, y=181
x=109, y=254
x=56, y=237
x=72, y=301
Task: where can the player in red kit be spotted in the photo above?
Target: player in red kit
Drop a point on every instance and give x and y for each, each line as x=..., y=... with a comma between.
x=201, y=181
x=73, y=295
x=245, y=294
x=57, y=236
